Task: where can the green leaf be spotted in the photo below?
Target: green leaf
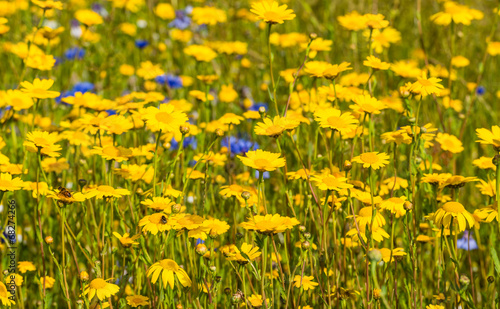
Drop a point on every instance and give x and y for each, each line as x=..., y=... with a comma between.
x=496, y=262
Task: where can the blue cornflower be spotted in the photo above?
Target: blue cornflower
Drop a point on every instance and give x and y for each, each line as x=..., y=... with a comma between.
x=173, y=82
x=74, y=53
x=467, y=242
x=141, y=43
x=239, y=145
x=480, y=90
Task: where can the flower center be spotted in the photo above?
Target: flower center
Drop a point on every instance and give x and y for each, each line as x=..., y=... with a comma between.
x=111, y=151
x=454, y=207
x=369, y=157
x=271, y=16
x=98, y=284
x=164, y=117
x=105, y=188
x=335, y=121
x=169, y=265
x=365, y=212
x=262, y=163
x=425, y=83
x=274, y=130
x=39, y=141
x=5, y=183
x=330, y=181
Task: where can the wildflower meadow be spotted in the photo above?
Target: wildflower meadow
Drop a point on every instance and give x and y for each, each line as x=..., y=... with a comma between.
x=249, y=154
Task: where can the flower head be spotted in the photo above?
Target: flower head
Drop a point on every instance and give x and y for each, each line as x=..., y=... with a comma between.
x=456, y=212
x=262, y=160
x=271, y=12
x=100, y=288
x=168, y=269
x=375, y=160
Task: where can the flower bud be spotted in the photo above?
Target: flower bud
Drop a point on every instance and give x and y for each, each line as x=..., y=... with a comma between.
x=201, y=249
x=184, y=129
x=213, y=268
x=227, y=291
x=347, y=165
x=307, y=235
x=49, y=240
x=496, y=159
x=262, y=109
x=374, y=255
x=313, y=36
x=490, y=279
x=82, y=182
x=408, y=205
x=305, y=245
x=464, y=280
x=84, y=276
x=219, y=132
x=176, y=208
x=302, y=228
x=178, y=306
x=377, y=293
x=246, y=195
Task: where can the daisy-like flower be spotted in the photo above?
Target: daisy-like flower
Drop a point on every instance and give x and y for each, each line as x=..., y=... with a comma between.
x=456, y=181
x=127, y=241
x=458, y=13
x=168, y=269
x=378, y=234
x=215, y=227
x=449, y=143
x=485, y=163
x=231, y=118
x=386, y=253
x=375, y=160
x=7, y=183
x=375, y=21
x=269, y=224
x=364, y=218
x=274, y=127
x=376, y=64
x=39, y=89
x=262, y=160
x=88, y=17
x=25, y=266
x=246, y=253
x=17, y=99
x=111, y=152
x=44, y=142
x=165, y=118
x=367, y=104
x=333, y=70
x=186, y=221
x=256, y=301
x=336, y=120
x=160, y=204
x=272, y=12
x=200, y=52
x=303, y=174
x=155, y=223
x=426, y=86
x=48, y=4
x=305, y=282
x=4, y=296
x=395, y=205
x=208, y=15
x=456, y=211
x=488, y=188
x=100, y=288
x=487, y=214
x=103, y=191
x=48, y=281
x=331, y=182
x=487, y=137
x=137, y=300
x=435, y=178
x=352, y=21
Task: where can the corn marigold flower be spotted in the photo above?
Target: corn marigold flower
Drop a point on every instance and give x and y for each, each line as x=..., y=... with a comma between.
x=186, y=221
x=104, y=191
x=168, y=269
x=215, y=227
x=262, y=160
x=374, y=160
x=48, y=281
x=256, y=300
x=100, y=288
x=456, y=212
x=375, y=21
x=4, y=296
x=88, y=17
x=44, y=142
x=163, y=204
x=208, y=15
x=426, y=86
x=336, y=120
x=456, y=181
x=352, y=21
x=164, y=11
x=7, y=183
x=110, y=152
x=303, y=174
x=458, y=13
x=39, y=89
x=200, y=53
x=367, y=104
x=449, y=143
x=137, y=300
x=274, y=127
x=227, y=94
x=319, y=44
x=376, y=64
x=387, y=254
x=157, y=222
x=19, y=100
x=488, y=188
x=127, y=241
x=165, y=118
x=487, y=214
x=485, y=163
x=24, y=266
x=48, y=4
x=378, y=234
x=493, y=48
x=395, y=205
x=364, y=218
x=487, y=137
x=270, y=224
x=271, y=12
x=305, y=282
x=331, y=182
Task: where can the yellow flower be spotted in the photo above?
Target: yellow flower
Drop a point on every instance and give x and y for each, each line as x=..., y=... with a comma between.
x=157, y=222
x=333, y=71
x=262, y=160
x=165, y=11
x=200, y=52
x=460, y=61
x=305, y=282
x=367, y=104
x=275, y=127
x=168, y=268
x=104, y=191
x=458, y=13
x=434, y=307
x=48, y=4
x=7, y=183
x=208, y=15
x=159, y=204
x=488, y=188
x=487, y=137
x=100, y=288
x=352, y=21
x=331, y=182
x=456, y=211
x=303, y=174
x=227, y=94
x=449, y=143
x=4, y=296
x=374, y=160
x=425, y=86
x=111, y=152
x=272, y=12
x=364, y=218
x=256, y=301
x=250, y=253
x=334, y=119
x=49, y=282
x=44, y=142
x=493, y=48
x=485, y=163
x=386, y=254
x=375, y=63
x=269, y=224
x=375, y=21
x=215, y=227
x=395, y=205
x=378, y=234
x=26, y=266
x=88, y=17
x=17, y=99
x=39, y=89
x=231, y=118
x=165, y=118
x=487, y=214
x=137, y=300
x=127, y=241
